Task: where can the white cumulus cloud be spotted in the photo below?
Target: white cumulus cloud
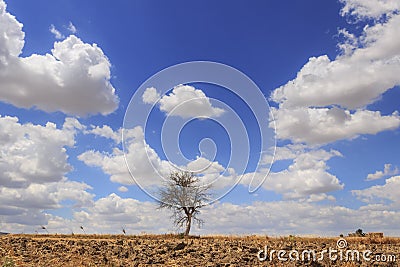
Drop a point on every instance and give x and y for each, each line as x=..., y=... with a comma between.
x=74, y=78
x=306, y=179
x=106, y=132
x=184, y=101
x=328, y=98
x=381, y=193
x=33, y=166
x=326, y=125
x=369, y=8
x=387, y=171
x=145, y=165
x=34, y=153
x=150, y=95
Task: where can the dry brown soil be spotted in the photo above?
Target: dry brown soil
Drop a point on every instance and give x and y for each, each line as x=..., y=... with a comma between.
x=173, y=250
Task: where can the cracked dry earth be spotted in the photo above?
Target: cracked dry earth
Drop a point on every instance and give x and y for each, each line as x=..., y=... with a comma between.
x=172, y=250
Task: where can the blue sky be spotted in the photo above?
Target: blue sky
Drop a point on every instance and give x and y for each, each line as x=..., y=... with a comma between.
x=328, y=69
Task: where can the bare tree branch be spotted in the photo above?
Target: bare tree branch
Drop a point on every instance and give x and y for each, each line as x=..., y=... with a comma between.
x=184, y=196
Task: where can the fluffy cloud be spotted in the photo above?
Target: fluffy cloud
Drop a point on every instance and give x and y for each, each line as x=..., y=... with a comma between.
x=74, y=78
x=369, y=8
x=106, y=132
x=306, y=179
x=46, y=196
x=387, y=171
x=113, y=213
x=326, y=101
x=184, y=101
x=144, y=163
x=287, y=152
x=34, y=153
x=33, y=165
x=325, y=125
x=111, y=164
x=381, y=193
x=352, y=80
x=109, y=214
x=150, y=95
x=204, y=165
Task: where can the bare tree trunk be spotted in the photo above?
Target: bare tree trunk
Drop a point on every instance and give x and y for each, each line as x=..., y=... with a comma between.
x=188, y=224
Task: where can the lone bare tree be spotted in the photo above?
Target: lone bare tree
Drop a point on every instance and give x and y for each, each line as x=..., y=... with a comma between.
x=184, y=196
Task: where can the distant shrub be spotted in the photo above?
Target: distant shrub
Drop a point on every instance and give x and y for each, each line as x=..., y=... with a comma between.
x=360, y=232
